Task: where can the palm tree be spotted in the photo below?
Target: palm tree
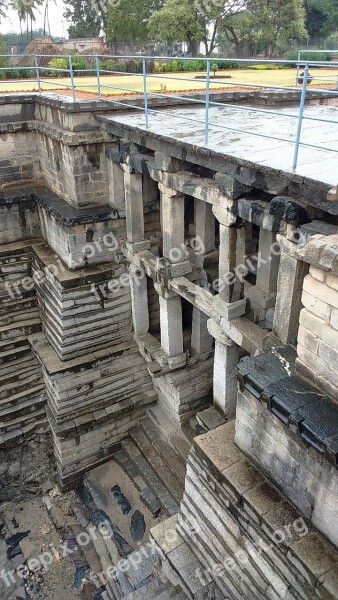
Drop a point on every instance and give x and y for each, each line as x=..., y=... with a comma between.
x=3, y=5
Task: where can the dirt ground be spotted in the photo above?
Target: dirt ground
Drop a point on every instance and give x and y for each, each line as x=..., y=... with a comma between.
x=39, y=524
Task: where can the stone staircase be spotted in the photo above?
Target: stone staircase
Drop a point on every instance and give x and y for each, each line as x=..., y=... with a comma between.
x=22, y=394
x=155, y=463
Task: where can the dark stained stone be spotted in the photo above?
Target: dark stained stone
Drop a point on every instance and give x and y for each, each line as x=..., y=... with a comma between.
x=121, y=500
x=138, y=526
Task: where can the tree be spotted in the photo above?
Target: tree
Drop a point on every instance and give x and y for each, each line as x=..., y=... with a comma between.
x=26, y=12
x=198, y=21
x=85, y=18
x=205, y=20
x=278, y=21
x=177, y=21
x=321, y=17
x=3, y=5
x=127, y=20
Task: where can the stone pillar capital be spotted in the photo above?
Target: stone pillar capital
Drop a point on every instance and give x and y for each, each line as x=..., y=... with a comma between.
x=223, y=213
x=218, y=334
x=169, y=192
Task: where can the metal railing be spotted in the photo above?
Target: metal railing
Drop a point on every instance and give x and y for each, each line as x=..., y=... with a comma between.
x=45, y=79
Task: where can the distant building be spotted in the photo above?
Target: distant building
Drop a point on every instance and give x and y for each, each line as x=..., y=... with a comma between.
x=82, y=44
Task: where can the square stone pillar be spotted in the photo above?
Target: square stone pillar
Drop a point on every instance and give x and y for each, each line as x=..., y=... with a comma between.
x=134, y=205
x=171, y=324
x=201, y=340
x=264, y=292
x=205, y=225
x=232, y=262
x=116, y=187
x=172, y=215
x=225, y=371
x=267, y=273
x=289, y=292
x=139, y=300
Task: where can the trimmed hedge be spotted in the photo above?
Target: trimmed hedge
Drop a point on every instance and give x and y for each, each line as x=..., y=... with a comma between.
x=186, y=66
x=308, y=55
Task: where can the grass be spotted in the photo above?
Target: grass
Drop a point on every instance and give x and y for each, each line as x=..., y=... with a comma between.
x=282, y=77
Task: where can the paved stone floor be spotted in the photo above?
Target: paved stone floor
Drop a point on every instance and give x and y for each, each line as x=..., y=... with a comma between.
x=320, y=165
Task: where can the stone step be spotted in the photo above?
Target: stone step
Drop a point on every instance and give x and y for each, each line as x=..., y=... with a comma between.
x=147, y=592
x=173, y=485
x=27, y=327
x=11, y=344
x=210, y=419
x=171, y=458
x=14, y=353
x=149, y=477
x=157, y=591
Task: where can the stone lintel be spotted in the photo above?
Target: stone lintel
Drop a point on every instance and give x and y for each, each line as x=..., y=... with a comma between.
x=230, y=186
x=164, y=162
x=245, y=334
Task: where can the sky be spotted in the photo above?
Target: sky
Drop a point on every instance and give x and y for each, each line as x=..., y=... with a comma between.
x=58, y=26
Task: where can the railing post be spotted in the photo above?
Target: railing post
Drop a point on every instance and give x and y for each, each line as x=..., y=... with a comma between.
x=38, y=74
x=297, y=72
x=71, y=71
x=98, y=76
x=145, y=91
x=301, y=113
x=207, y=103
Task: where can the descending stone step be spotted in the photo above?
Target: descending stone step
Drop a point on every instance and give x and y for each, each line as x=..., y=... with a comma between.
x=157, y=591
x=173, y=485
x=210, y=418
x=168, y=454
x=27, y=327
x=147, y=592
x=149, y=476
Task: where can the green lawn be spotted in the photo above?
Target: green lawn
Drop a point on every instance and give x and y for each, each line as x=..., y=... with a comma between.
x=171, y=82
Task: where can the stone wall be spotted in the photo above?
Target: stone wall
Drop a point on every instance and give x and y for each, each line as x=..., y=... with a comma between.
x=300, y=470
x=19, y=218
x=318, y=331
x=249, y=539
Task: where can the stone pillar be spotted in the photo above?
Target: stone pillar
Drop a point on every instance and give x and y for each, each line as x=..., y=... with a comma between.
x=134, y=205
x=116, y=186
x=267, y=273
x=225, y=371
x=139, y=300
x=289, y=292
x=171, y=324
x=201, y=340
x=232, y=262
x=205, y=225
x=172, y=214
x=264, y=292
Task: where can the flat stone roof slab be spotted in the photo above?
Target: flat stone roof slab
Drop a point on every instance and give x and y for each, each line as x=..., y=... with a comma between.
x=320, y=165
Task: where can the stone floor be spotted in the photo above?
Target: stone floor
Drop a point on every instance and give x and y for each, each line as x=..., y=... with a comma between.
x=116, y=506
x=320, y=165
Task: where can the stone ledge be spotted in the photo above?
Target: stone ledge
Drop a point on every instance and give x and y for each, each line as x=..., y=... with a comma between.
x=67, y=279
x=321, y=251
x=67, y=215
x=312, y=416
x=53, y=365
